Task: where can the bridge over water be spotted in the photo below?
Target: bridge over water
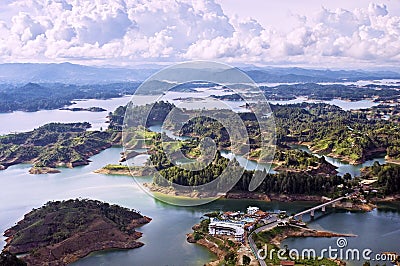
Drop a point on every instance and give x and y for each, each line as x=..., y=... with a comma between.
x=321, y=206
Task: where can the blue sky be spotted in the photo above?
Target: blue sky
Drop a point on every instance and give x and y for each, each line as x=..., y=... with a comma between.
x=335, y=34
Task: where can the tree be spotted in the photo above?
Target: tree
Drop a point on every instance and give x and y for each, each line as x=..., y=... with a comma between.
x=9, y=259
x=246, y=260
x=347, y=176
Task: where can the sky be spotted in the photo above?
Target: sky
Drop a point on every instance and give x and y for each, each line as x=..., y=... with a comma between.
x=319, y=34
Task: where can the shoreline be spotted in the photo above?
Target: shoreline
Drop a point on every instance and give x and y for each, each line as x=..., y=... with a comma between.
x=99, y=233
x=124, y=170
x=349, y=206
x=290, y=232
x=210, y=246
x=238, y=195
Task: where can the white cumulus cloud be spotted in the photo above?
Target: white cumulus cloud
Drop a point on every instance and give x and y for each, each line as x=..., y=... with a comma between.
x=117, y=31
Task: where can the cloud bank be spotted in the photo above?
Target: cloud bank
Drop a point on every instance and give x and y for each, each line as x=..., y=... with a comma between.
x=124, y=31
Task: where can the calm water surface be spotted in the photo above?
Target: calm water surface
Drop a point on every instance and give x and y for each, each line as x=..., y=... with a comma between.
x=164, y=238
x=26, y=121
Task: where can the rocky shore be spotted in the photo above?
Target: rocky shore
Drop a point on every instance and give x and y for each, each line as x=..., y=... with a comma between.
x=125, y=170
x=60, y=233
x=43, y=170
x=350, y=206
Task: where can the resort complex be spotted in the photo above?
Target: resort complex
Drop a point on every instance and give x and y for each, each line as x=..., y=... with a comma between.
x=237, y=223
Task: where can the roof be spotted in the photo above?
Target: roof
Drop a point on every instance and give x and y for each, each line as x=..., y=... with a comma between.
x=238, y=228
x=286, y=263
x=261, y=213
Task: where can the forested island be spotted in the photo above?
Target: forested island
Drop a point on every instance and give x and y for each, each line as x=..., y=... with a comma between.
x=54, y=145
x=89, y=109
x=301, y=175
x=352, y=136
x=61, y=232
x=324, y=128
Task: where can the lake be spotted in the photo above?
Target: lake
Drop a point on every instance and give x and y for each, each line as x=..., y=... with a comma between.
x=378, y=230
x=345, y=105
x=26, y=121
x=198, y=99
x=165, y=236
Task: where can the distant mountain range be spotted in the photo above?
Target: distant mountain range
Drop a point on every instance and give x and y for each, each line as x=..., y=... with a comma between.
x=67, y=73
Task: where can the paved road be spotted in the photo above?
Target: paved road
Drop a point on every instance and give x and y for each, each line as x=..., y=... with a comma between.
x=253, y=245
x=320, y=206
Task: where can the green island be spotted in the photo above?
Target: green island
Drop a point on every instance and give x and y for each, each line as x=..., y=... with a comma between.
x=299, y=175
x=54, y=145
x=89, y=109
x=72, y=229
x=352, y=136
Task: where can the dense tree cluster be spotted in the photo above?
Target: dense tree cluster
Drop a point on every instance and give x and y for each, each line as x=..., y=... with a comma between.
x=141, y=115
x=330, y=129
x=9, y=259
x=54, y=143
x=291, y=183
x=297, y=159
x=59, y=220
x=285, y=182
x=188, y=176
x=388, y=177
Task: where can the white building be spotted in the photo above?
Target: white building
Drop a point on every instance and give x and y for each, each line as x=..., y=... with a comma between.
x=252, y=210
x=217, y=227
